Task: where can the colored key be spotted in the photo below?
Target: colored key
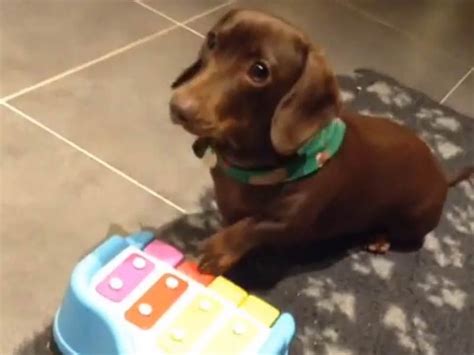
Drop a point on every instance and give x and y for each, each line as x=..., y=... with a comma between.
x=156, y=301
x=191, y=269
x=164, y=252
x=260, y=309
x=237, y=335
x=125, y=278
x=228, y=290
x=190, y=325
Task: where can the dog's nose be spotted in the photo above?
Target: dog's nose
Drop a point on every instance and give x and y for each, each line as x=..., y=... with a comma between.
x=183, y=109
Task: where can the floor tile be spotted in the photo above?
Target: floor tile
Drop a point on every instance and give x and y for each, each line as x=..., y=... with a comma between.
x=204, y=24
x=118, y=110
x=351, y=41
x=43, y=38
x=442, y=24
x=56, y=204
x=462, y=99
x=182, y=10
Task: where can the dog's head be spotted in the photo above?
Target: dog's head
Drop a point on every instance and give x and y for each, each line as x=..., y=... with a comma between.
x=258, y=86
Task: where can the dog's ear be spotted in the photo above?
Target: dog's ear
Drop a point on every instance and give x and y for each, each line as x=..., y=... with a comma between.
x=312, y=101
x=187, y=74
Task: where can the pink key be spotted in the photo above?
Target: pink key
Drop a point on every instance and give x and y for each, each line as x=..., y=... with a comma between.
x=120, y=282
x=164, y=252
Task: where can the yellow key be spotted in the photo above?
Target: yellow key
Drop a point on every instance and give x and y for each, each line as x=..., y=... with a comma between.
x=233, y=338
x=261, y=310
x=190, y=325
x=228, y=290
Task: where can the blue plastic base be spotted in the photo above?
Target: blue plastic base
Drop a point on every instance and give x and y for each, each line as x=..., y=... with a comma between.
x=82, y=327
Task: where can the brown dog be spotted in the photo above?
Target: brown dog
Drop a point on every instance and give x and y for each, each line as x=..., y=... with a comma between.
x=258, y=92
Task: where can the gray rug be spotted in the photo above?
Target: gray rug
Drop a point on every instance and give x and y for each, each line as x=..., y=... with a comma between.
x=346, y=301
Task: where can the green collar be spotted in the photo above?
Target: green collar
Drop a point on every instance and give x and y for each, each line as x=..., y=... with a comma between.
x=308, y=160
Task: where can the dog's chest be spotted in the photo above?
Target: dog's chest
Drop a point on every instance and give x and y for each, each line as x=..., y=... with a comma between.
x=236, y=200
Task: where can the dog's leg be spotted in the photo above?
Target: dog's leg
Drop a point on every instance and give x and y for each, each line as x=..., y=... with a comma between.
x=285, y=222
x=225, y=248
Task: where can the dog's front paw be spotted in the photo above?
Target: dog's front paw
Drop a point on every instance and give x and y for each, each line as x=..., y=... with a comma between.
x=218, y=255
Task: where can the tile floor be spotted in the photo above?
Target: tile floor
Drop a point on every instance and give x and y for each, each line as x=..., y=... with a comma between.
x=86, y=144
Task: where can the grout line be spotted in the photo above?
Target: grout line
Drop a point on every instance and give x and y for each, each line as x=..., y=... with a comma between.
x=415, y=39
x=372, y=17
x=207, y=12
x=155, y=11
x=460, y=81
x=116, y=51
x=94, y=157
x=4, y=100
x=89, y=63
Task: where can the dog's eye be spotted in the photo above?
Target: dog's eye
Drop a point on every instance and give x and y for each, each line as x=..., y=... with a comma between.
x=211, y=40
x=259, y=72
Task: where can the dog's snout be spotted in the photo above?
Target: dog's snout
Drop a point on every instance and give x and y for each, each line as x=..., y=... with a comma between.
x=183, y=109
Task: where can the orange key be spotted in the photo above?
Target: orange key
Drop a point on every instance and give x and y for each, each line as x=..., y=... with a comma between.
x=191, y=269
x=156, y=301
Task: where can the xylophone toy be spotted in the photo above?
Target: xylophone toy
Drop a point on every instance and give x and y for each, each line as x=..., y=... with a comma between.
x=137, y=295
